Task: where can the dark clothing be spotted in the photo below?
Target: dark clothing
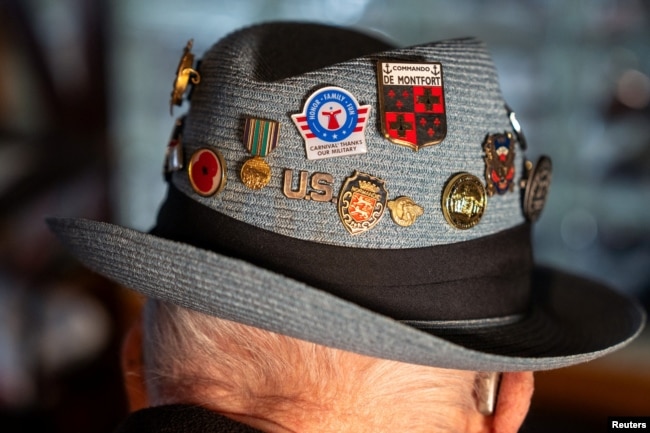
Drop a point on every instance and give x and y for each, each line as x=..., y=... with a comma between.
x=180, y=418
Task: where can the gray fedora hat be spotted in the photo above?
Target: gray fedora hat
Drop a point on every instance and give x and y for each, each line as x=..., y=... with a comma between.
x=329, y=187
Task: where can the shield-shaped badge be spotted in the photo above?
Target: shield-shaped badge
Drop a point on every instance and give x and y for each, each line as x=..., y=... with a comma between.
x=499, y=163
x=362, y=201
x=412, y=103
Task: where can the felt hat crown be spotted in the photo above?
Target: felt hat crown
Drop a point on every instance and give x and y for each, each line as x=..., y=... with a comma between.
x=327, y=186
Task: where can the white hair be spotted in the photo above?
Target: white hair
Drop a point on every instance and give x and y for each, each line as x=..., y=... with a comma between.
x=190, y=357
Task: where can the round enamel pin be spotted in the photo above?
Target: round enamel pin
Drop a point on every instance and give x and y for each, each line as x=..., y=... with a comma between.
x=537, y=185
x=464, y=201
x=206, y=171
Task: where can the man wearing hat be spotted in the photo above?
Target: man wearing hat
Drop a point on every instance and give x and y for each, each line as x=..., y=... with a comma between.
x=345, y=247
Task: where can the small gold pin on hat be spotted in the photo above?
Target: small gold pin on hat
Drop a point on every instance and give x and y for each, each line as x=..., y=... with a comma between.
x=260, y=139
x=185, y=74
x=404, y=211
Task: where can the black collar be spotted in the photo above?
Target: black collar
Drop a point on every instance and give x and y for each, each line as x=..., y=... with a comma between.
x=180, y=418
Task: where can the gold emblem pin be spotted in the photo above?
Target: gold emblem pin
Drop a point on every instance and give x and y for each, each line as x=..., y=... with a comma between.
x=404, y=211
x=464, y=201
x=255, y=173
x=185, y=74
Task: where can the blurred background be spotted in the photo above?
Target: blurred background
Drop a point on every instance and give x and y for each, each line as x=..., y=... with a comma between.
x=84, y=124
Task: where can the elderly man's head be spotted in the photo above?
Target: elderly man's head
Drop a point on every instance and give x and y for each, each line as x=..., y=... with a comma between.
x=282, y=384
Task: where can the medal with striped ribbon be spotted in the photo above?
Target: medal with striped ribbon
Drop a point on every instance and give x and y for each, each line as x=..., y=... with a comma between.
x=260, y=139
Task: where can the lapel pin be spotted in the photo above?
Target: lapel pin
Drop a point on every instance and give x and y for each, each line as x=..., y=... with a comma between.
x=185, y=75
x=362, y=201
x=332, y=124
x=536, y=189
x=207, y=172
x=412, y=103
x=464, y=201
x=499, y=163
x=404, y=211
x=260, y=139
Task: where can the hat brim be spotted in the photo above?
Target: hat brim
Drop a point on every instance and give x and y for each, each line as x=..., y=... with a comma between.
x=571, y=319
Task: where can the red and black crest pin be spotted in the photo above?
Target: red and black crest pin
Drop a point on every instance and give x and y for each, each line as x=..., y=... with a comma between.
x=412, y=103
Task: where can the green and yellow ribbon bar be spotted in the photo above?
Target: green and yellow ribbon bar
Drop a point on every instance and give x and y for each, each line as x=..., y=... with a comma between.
x=260, y=136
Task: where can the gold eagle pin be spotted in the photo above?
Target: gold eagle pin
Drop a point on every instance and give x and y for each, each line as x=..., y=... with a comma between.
x=404, y=211
x=185, y=74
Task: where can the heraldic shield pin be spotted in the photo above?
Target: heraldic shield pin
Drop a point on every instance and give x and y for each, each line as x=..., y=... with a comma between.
x=412, y=103
x=362, y=201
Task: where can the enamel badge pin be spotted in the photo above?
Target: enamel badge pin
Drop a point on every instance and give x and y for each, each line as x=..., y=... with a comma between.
x=412, y=103
x=499, y=163
x=362, y=201
x=333, y=124
x=207, y=172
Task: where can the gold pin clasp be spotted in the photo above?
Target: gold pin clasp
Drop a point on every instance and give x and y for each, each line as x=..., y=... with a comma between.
x=185, y=74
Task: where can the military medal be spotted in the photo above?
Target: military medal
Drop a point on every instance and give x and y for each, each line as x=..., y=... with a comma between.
x=499, y=163
x=361, y=202
x=404, y=211
x=536, y=188
x=332, y=124
x=207, y=172
x=464, y=201
x=260, y=139
x=185, y=74
x=412, y=103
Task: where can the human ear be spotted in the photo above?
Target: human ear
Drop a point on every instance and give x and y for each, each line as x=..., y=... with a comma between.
x=513, y=402
x=132, y=368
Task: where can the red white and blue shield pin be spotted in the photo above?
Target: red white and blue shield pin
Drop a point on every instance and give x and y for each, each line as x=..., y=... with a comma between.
x=412, y=103
x=333, y=124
